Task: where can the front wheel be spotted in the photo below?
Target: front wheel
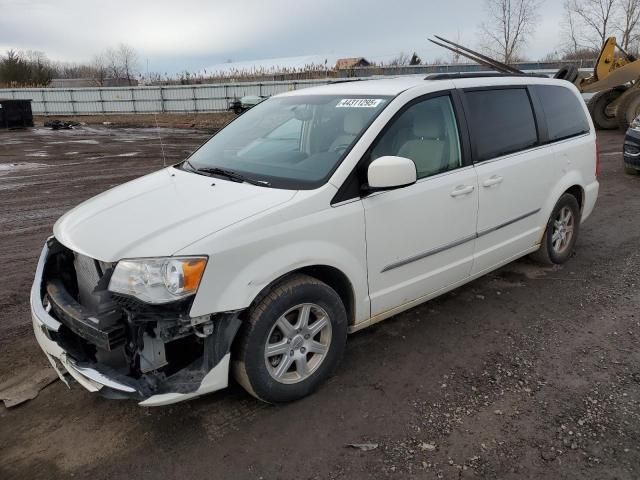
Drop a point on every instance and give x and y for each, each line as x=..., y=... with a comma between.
x=599, y=108
x=561, y=232
x=292, y=341
x=629, y=108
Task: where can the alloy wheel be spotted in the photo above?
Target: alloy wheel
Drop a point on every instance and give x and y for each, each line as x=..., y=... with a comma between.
x=563, y=226
x=298, y=343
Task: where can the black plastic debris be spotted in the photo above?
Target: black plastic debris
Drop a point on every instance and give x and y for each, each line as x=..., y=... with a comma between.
x=60, y=124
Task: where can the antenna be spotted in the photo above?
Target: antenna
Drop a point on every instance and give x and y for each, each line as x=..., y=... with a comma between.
x=164, y=158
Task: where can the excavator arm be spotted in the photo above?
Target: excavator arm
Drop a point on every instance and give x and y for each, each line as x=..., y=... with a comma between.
x=611, y=71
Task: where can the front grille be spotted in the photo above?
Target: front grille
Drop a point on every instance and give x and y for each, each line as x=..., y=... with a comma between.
x=104, y=331
x=77, y=290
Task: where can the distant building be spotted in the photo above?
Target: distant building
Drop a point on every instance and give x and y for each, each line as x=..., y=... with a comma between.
x=349, y=63
x=90, y=82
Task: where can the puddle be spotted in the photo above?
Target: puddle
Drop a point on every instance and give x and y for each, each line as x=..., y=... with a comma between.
x=72, y=153
x=10, y=141
x=14, y=167
x=130, y=154
x=85, y=142
x=37, y=154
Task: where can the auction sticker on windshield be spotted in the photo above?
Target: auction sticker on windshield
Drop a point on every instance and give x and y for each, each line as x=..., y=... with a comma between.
x=359, y=103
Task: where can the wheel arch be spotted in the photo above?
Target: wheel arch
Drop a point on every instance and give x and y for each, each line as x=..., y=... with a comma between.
x=571, y=184
x=332, y=276
x=578, y=192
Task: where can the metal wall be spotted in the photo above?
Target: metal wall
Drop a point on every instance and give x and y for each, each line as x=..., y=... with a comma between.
x=175, y=98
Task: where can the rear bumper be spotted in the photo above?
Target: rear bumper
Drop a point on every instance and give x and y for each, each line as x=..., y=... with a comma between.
x=95, y=377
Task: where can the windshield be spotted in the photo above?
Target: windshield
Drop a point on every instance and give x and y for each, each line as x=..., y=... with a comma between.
x=290, y=142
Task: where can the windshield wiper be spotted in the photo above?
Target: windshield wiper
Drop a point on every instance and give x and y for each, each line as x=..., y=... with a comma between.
x=230, y=174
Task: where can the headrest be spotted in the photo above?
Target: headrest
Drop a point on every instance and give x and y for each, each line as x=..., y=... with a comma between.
x=429, y=124
x=353, y=123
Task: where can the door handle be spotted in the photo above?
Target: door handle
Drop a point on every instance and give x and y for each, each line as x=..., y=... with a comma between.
x=493, y=180
x=462, y=190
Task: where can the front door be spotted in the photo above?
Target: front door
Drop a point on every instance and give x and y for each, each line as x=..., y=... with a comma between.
x=420, y=238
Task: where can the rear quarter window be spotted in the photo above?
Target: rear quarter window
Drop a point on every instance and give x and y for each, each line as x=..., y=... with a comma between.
x=501, y=121
x=563, y=112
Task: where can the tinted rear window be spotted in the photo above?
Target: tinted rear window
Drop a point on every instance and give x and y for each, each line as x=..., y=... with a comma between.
x=502, y=122
x=563, y=112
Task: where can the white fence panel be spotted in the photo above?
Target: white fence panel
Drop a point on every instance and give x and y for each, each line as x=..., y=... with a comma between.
x=156, y=99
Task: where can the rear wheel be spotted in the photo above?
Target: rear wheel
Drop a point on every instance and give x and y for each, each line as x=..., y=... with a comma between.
x=628, y=109
x=561, y=232
x=292, y=341
x=602, y=117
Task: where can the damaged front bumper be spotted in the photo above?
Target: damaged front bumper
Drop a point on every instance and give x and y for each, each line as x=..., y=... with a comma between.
x=204, y=376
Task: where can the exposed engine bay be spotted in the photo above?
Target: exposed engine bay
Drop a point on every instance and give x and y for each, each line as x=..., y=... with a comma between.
x=153, y=349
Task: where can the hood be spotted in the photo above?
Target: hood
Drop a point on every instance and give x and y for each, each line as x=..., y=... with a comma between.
x=161, y=213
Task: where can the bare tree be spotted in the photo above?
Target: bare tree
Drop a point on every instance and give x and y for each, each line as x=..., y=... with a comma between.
x=400, y=60
x=628, y=23
x=509, y=25
x=112, y=59
x=128, y=59
x=100, y=68
x=572, y=44
x=594, y=20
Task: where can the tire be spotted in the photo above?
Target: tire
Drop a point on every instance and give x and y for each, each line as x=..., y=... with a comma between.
x=598, y=109
x=267, y=377
x=568, y=73
x=237, y=110
x=628, y=109
x=548, y=253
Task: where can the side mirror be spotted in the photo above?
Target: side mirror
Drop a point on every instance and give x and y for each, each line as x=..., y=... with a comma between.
x=391, y=172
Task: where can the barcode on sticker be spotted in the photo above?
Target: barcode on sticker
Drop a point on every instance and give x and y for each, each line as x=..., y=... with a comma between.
x=359, y=103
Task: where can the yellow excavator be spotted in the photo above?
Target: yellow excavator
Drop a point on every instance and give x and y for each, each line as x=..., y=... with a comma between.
x=615, y=81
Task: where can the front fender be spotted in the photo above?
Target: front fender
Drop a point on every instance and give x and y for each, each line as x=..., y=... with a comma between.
x=247, y=283
x=243, y=261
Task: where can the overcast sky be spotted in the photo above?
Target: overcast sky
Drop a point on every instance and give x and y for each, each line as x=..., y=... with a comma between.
x=192, y=34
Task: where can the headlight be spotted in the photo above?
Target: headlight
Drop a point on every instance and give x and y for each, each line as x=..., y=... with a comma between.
x=158, y=280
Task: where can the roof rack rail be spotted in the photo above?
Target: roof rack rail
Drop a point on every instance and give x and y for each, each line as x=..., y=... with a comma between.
x=451, y=76
x=345, y=80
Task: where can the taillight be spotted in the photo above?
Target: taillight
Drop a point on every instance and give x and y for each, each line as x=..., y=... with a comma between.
x=597, y=160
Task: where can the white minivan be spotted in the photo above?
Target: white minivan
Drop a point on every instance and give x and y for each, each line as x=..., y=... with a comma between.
x=315, y=214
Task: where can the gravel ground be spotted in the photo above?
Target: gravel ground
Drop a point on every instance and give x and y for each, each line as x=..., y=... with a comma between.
x=528, y=372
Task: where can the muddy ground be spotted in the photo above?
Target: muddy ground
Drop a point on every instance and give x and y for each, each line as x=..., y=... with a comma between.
x=528, y=372
x=203, y=121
